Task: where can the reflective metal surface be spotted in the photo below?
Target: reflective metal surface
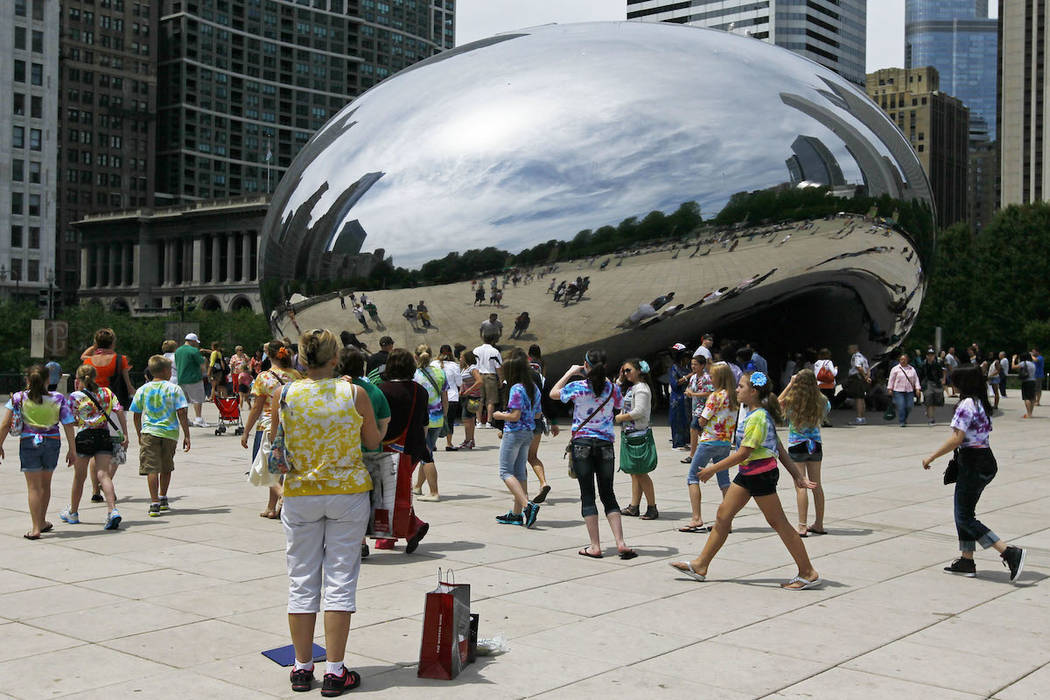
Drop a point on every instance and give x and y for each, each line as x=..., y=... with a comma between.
x=546, y=132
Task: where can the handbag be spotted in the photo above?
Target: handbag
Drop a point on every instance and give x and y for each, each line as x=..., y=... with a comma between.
x=260, y=474
x=449, y=640
x=891, y=412
x=16, y=419
x=638, y=453
x=568, y=448
x=120, y=455
x=951, y=474
x=280, y=458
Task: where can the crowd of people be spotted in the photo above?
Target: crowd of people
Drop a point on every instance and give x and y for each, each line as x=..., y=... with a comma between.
x=348, y=441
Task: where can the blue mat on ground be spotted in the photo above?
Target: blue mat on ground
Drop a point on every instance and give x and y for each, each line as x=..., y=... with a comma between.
x=285, y=656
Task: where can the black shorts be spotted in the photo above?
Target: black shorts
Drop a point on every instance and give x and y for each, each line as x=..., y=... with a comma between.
x=243, y=388
x=764, y=484
x=93, y=441
x=1028, y=390
x=801, y=453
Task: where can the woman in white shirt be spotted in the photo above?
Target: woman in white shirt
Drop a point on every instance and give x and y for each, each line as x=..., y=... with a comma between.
x=454, y=379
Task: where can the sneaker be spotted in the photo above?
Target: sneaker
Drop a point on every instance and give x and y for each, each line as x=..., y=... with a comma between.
x=413, y=542
x=302, y=679
x=164, y=503
x=467, y=445
x=451, y=448
x=334, y=685
x=364, y=550
x=530, y=513
x=97, y=498
x=963, y=567
x=1013, y=558
x=509, y=518
x=860, y=421
x=932, y=421
x=112, y=520
x=71, y=518
x=154, y=510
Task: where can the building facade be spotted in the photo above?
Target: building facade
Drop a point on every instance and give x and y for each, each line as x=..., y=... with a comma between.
x=29, y=48
x=244, y=84
x=1023, y=94
x=937, y=126
x=958, y=39
x=150, y=261
x=830, y=32
x=107, y=103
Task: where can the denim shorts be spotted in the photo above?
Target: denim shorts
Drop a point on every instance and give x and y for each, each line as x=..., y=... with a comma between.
x=41, y=457
x=707, y=453
x=764, y=484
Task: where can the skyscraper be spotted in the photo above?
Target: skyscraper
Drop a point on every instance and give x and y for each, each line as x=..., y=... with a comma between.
x=958, y=39
x=1023, y=142
x=831, y=32
x=244, y=84
x=28, y=144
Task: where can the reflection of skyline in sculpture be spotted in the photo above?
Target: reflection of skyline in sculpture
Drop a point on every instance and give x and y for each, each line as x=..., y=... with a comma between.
x=551, y=131
x=812, y=162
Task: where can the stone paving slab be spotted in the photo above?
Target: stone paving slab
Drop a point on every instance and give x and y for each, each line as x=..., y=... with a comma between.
x=183, y=604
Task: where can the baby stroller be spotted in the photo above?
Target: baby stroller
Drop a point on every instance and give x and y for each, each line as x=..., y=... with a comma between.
x=229, y=414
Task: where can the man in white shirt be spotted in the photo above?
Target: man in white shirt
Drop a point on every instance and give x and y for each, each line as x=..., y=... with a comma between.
x=489, y=361
x=705, y=348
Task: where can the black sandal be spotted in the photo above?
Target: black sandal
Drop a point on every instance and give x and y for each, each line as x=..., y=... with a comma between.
x=631, y=511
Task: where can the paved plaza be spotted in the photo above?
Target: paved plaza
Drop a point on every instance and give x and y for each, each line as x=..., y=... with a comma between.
x=181, y=606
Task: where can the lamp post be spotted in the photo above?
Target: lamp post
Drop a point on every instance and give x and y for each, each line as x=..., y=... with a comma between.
x=3, y=278
x=51, y=294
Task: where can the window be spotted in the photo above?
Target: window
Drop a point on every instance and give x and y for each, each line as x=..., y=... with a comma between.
x=20, y=71
x=34, y=139
x=36, y=106
x=19, y=104
x=34, y=205
x=38, y=42
x=17, y=203
x=20, y=37
x=18, y=168
x=16, y=236
x=34, y=171
x=20, y=8
x=38, y=10
x=37, y=75
x=16, y=269
x=34, y=237
x=18, y=137
x=33, y=270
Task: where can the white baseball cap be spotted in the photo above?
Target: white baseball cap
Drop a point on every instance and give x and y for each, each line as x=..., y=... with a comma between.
x=193, y=337
x=678, y=346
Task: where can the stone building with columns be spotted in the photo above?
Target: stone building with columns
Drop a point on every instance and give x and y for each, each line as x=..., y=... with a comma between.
x=150, y=261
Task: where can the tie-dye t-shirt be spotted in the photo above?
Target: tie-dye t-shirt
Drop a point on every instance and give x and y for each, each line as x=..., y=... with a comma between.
x=85, y=411
x=758, y=432
x=528, y=406
x=721, y=419
x=41, y=419
x=972, y=420
x=322, y=431
x=433, y=380
x=159, y=402
x=584, y=402
x=265, y=386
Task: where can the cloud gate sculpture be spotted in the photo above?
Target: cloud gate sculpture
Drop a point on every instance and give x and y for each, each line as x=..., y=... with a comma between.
x=771, y=196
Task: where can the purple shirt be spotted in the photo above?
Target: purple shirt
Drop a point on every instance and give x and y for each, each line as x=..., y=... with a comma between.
x=971, y=419
x=584, y=403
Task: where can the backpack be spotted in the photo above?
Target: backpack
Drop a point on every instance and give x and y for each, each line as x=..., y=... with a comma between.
x=1022, y=371
x=825, y=375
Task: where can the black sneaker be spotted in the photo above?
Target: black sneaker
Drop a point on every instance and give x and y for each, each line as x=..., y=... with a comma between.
x=963, y=567
x=334, y=685
x=97, y=498
x=509, y=518
x=364, y=550
x=154, y=510
x=1013, y=557
x=302, y=679
x=413, y=542
x=531, y=512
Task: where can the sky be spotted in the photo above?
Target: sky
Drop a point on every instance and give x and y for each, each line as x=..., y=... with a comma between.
x=477, y=19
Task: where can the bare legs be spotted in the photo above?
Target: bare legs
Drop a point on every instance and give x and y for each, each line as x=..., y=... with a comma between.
x=534, y=459
x=468, y=429
x=158, y=485
x=39, y=486
x=104, y=471
x=642, y=484
x=812, y=470
x=336, y=632
x=520, y=493
x=429, y=473
x=615, y=524
x=80, y=473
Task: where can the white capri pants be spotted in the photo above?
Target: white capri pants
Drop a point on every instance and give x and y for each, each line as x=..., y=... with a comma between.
x=324, y=535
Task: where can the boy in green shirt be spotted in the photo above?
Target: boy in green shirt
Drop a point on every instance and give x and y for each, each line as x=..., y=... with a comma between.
x=164, y=406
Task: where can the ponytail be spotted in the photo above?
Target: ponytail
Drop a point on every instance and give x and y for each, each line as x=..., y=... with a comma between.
x=598, y=374
x=36, y=383
x=86, y=374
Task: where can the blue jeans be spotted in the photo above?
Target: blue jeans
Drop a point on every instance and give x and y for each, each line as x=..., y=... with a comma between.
x=903, y=401
x=706, y=453
x=977, y=468
x=679, y=419
x=513, y=455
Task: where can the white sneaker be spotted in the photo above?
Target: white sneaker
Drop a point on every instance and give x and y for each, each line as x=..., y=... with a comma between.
x=860, y=421
x=200, y=423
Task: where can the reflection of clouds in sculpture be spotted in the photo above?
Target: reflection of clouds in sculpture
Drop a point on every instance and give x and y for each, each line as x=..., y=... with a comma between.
x=568, y=128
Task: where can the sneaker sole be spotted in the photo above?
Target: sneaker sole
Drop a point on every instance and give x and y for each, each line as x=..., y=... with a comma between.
x=967, y=574
x=1020, y=566
x=113, y=524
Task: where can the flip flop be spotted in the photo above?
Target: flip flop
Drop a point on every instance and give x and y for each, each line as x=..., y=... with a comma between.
x=542, y=495
x=628, y=554
x=31, y=537
x=47, y=528
x=815, y=531
x=587, y=553
x=695, y=528
x=804, y=533
x=688, y=571
x=686, y=460
x=789, y=586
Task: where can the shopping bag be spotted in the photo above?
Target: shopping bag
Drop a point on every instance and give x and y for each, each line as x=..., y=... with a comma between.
x=260, y=474
x=446, y=645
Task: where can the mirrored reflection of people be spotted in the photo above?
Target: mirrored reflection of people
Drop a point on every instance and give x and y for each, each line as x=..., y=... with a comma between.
x=190, y=366
x=327, y=421
x=373, y=312
x=406, y=437
x=595, y=400
x=521, y=324
x=424, y=314
x=411, y=316
x=491, y=326
x=637, y=449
